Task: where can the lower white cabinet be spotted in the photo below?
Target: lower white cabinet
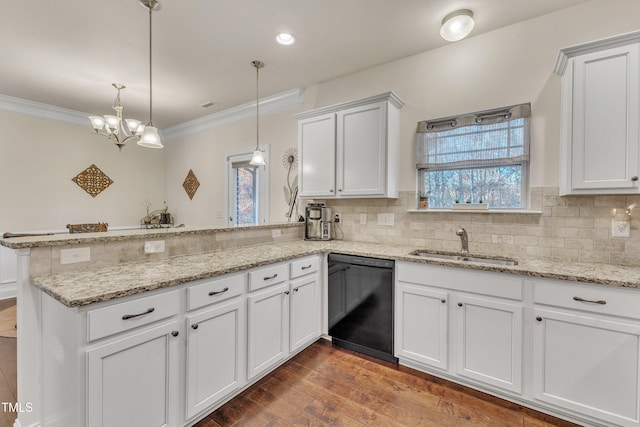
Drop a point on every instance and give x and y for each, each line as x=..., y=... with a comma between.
x=132, y=381
x=586, y=357
x=422, y=325
x=489, y=341
x=215, y=354
x=304, y=317
x=268, y=328
x=466, y=324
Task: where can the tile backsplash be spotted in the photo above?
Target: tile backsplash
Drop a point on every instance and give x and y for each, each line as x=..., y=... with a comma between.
x=570, y=228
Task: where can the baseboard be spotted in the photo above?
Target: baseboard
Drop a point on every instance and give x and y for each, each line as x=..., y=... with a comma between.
x=8, y=290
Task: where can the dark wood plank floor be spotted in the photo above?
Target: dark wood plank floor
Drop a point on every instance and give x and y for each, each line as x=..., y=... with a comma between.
x=8, y=372
x=329, y=386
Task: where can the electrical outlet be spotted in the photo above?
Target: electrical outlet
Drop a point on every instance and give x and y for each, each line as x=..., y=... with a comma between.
x=620, y=228
x=337, y=217
x=153, y=246
x=386, y=219
x=72, y=256
x=363, y=219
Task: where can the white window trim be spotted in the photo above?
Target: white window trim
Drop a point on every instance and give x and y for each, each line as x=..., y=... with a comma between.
x=240, y=155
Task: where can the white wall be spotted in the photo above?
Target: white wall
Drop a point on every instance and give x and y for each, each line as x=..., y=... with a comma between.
x=38, y=158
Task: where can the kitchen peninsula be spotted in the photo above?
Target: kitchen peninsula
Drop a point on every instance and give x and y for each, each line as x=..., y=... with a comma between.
x=67, y=312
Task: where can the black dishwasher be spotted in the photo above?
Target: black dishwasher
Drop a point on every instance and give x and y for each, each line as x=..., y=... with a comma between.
x=360, y=304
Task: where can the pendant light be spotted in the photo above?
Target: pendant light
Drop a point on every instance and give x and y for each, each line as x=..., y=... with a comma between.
x=150, y=137
x=257, y=159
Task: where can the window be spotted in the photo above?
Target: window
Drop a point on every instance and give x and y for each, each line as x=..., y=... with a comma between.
x=475, y=158
x=247, y=189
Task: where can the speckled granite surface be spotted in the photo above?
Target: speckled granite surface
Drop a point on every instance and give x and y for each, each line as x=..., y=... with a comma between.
x=83, y=288
x=63, y=239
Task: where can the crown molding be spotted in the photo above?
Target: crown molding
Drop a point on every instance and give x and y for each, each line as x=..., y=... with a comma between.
x=386, y=96
x=282, y=101
x=45, y=111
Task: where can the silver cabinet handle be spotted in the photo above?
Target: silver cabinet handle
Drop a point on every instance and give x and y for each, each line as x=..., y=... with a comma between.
x=634, y=178
x=331, y=191
x=212, y=293
x=131, y=316
x=271, y=277
x=306, y=268
x=339, y=189
x=600, y=301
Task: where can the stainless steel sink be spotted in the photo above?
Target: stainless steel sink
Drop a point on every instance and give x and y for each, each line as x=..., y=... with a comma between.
x=465, y=258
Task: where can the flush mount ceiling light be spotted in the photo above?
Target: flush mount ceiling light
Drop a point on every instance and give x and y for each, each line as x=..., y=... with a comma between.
x=457, y=25
x=257, y=158
x=150, y=137
x=285, y=39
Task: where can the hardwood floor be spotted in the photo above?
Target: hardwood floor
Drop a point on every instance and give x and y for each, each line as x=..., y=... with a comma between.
x=8, y=373
x=329, y=386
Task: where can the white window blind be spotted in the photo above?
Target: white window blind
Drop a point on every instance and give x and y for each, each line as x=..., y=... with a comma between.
x=472, y=158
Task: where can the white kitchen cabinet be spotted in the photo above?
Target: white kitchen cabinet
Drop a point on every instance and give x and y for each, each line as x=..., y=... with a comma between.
x=215, y=354
x=304, y=311
x=350, y=150
x=132, y=381
x=586, y=356
x=422, y=325
x=489, y=341
x=600, y=123
x=268, y=328
x=467, y=324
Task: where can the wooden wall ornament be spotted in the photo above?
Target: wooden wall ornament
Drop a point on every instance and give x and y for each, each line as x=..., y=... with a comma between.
x=191, y=184
x=92, y=180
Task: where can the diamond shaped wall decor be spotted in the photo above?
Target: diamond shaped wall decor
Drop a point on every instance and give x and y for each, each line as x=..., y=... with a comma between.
x=191, y=184
x=92, y=180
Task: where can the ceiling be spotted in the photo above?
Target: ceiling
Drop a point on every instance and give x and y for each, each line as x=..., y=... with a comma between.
x=68, y=52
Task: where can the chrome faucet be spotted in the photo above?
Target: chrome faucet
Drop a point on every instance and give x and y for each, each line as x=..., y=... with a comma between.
x=464, y=240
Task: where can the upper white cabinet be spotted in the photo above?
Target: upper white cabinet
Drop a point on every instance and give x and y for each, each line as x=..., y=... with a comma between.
x=600, y=125
x=350, y=150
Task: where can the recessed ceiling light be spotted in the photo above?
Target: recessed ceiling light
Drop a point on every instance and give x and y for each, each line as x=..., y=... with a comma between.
x=285, y=39
x=457, y=25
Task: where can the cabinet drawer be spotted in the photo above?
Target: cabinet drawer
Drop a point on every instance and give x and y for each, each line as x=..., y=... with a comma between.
x=268, y=276
x=304, y=266
x=593, y=298
x=132, y=314
x=212, y=291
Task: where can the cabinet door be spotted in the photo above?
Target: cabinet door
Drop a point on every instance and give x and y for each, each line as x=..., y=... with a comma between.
x=268, y=329
x=489, y=335
x=304, y=325
x=588, y=365
x=215, y=355
x=132, y=381
x=361, y=150
x=317, y=151
x=605, y=120
x=421, y=325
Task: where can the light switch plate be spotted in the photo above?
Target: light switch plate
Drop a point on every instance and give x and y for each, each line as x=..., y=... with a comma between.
x=153, y=246
x=72, y=256
x=363, y=219
x=620, y=228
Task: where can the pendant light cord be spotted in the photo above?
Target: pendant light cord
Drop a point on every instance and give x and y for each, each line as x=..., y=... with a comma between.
x=257, y=65
x=150, y=71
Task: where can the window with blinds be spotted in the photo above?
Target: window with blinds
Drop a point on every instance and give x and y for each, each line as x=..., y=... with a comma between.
x=475, y=158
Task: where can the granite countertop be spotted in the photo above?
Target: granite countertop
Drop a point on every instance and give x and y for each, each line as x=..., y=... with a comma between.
x=83, y=288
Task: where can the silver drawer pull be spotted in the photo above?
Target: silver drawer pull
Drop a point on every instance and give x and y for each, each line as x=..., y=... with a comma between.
x=600, y=301
x=131, y=316
x=271, y=277
x=212, y=293
x=306, y=268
